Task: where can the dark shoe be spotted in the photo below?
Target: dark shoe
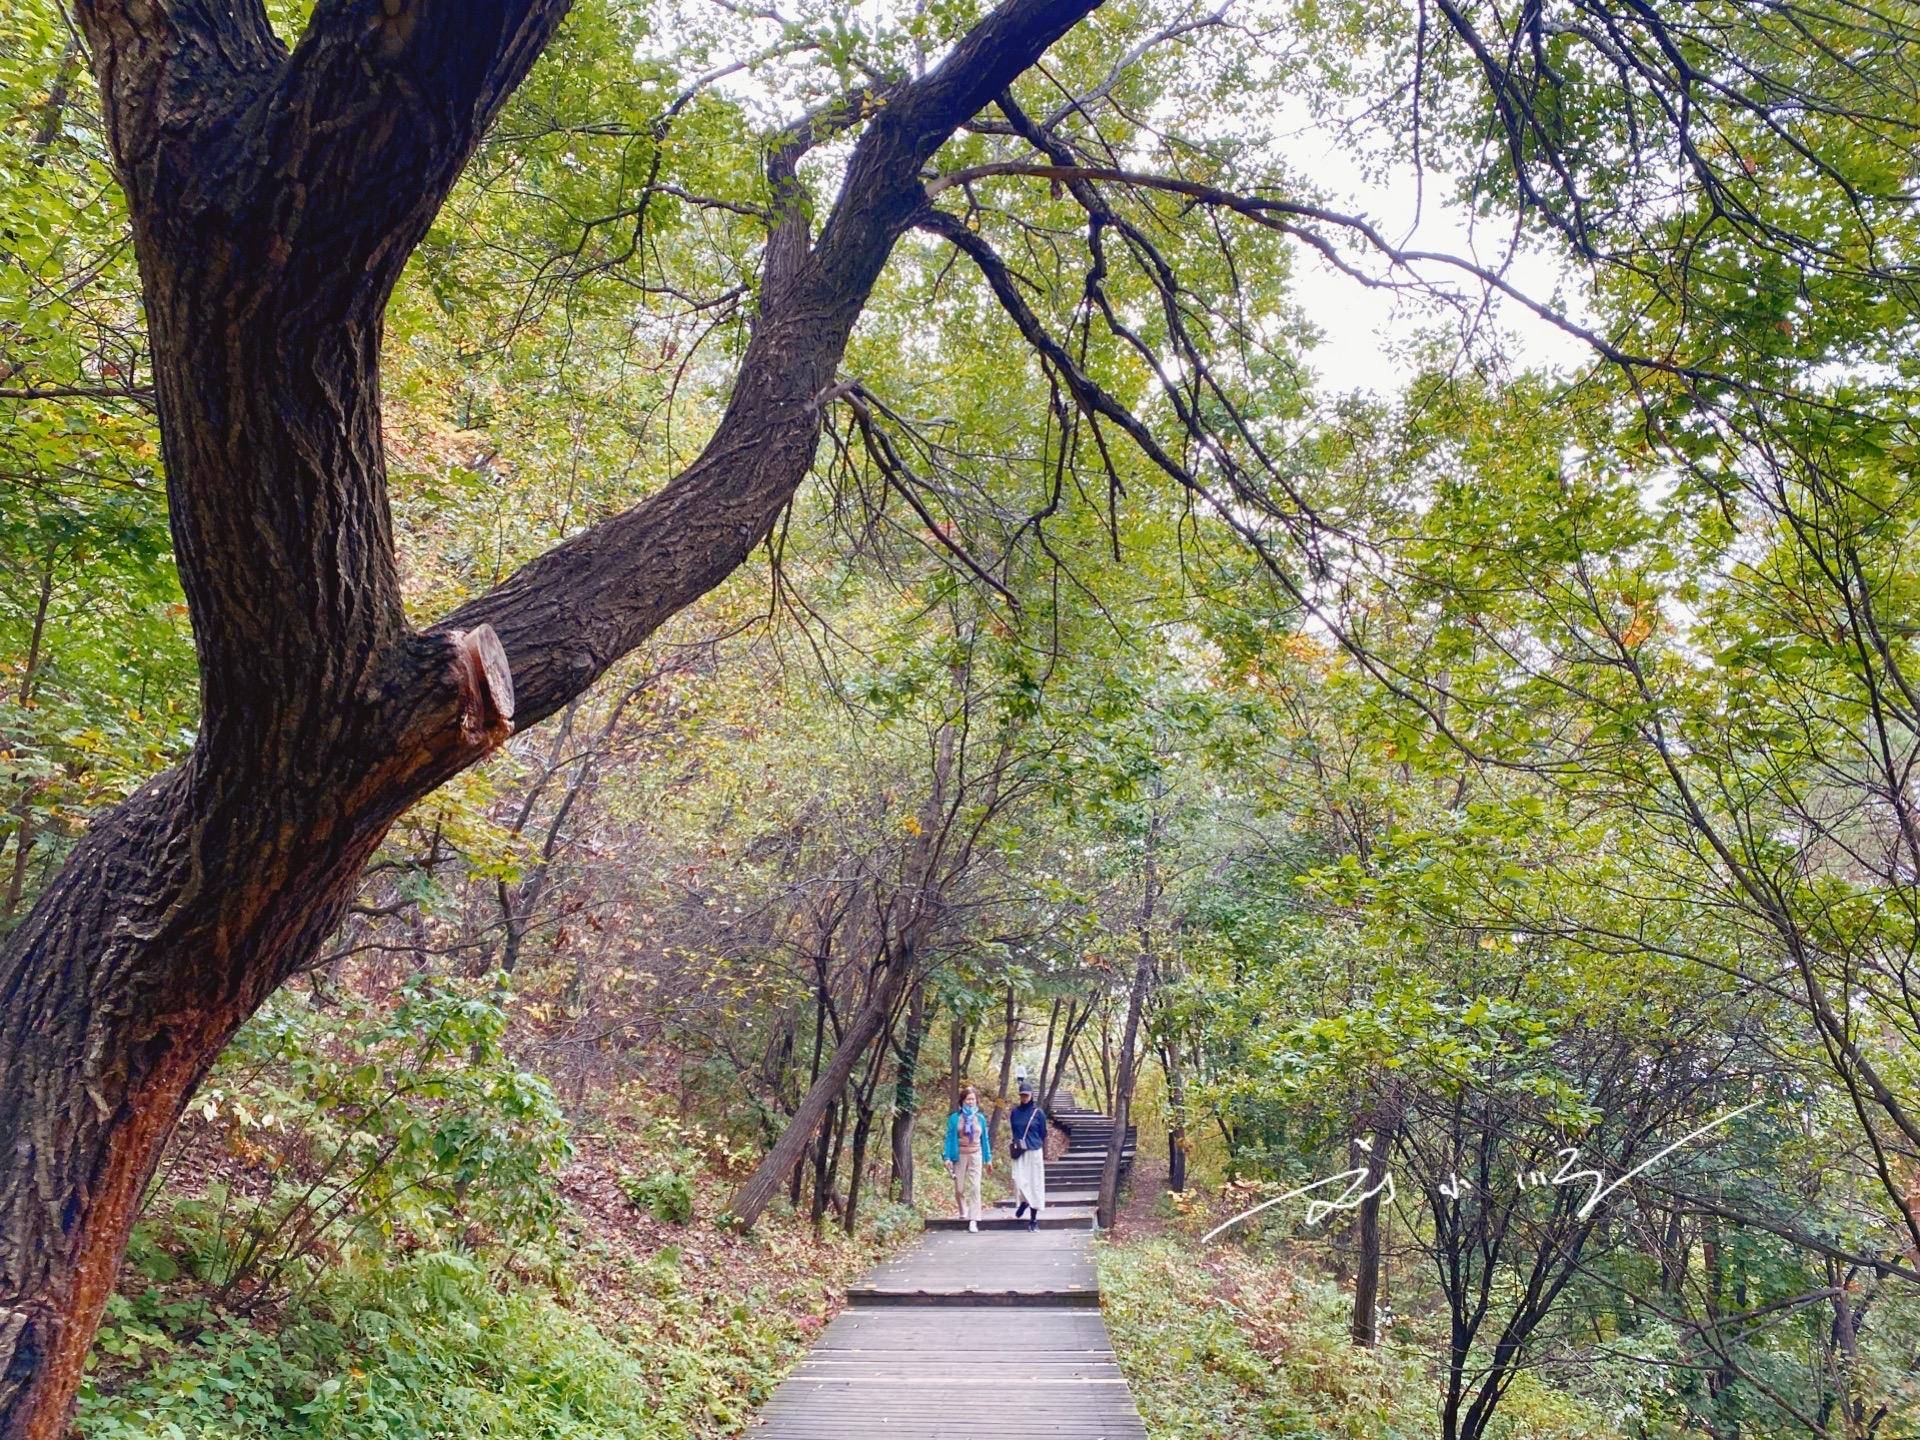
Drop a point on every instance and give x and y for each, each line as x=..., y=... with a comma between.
x=1019, y=1209
x=1033, y=1221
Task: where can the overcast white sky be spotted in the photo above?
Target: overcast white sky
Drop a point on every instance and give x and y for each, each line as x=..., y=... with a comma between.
x=1366, y=330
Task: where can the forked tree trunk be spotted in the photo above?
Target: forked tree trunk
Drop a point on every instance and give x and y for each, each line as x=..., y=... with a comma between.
x=857, y=1166
x=897, y=966
x=862, y=1132
x=906, y=1095
x=1076, y=1023
x=750, y=1200
x=274, y=201
x=826, y=1160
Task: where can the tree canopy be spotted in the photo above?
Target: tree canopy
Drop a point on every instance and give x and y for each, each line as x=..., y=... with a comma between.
x=744, y=534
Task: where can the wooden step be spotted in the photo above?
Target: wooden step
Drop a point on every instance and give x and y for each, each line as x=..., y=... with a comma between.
x=895, y=1373
x=1048, y=1221
x=1012, y=1299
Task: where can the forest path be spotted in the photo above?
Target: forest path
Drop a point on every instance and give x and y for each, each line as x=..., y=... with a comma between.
x=964, y=1336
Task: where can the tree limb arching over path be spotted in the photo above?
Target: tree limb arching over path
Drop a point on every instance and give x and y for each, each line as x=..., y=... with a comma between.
x=276, y=196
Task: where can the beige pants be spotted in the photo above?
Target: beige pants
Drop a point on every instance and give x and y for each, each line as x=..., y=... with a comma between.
x=966, y=1184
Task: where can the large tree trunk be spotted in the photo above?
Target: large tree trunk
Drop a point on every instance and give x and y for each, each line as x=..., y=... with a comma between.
x=274, y=199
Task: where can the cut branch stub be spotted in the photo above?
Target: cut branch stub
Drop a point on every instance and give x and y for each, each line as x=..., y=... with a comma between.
x=486, y=685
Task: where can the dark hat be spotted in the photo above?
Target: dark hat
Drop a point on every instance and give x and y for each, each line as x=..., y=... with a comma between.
x=1026, y=1088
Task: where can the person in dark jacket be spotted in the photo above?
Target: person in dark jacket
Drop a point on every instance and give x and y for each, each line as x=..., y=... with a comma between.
x=1027, y=1143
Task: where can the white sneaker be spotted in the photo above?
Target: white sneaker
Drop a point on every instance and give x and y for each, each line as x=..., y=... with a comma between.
x=973, y=1227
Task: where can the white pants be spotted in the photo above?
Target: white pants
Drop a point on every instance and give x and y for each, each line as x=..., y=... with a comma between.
x=966, y=1184
x=1030, y=1179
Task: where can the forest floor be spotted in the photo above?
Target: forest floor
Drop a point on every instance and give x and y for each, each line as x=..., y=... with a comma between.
x=1143, y=1207
x=636, y=1314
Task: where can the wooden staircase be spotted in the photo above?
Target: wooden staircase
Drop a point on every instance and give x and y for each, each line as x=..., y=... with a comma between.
x=1073, y=1180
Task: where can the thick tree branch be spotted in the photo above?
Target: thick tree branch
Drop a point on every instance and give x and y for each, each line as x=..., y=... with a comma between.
x=571, y=613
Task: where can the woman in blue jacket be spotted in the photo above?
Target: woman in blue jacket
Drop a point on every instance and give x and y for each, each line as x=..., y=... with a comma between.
x=969, y=1151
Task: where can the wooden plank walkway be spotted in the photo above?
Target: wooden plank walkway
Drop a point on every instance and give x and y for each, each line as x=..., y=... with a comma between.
x=953, y=1266
x=959, y=1373
x=964, y=1336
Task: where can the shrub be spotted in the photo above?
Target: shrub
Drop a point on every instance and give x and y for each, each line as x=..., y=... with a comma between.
x=667, y=1196
x=893, y=1222
x=425, y=1349
x=355, y=1122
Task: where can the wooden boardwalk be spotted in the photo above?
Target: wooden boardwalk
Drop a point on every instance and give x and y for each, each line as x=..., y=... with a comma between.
x=954, y=1267
x=966, y=1336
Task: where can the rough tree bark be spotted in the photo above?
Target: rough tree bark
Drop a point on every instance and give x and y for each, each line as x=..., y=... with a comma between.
x=275, y=196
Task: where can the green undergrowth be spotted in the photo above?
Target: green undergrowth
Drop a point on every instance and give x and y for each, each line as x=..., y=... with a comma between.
x=441, y=1344
x=377, y=1227
x=1221, y=1344
x=428, y=1348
